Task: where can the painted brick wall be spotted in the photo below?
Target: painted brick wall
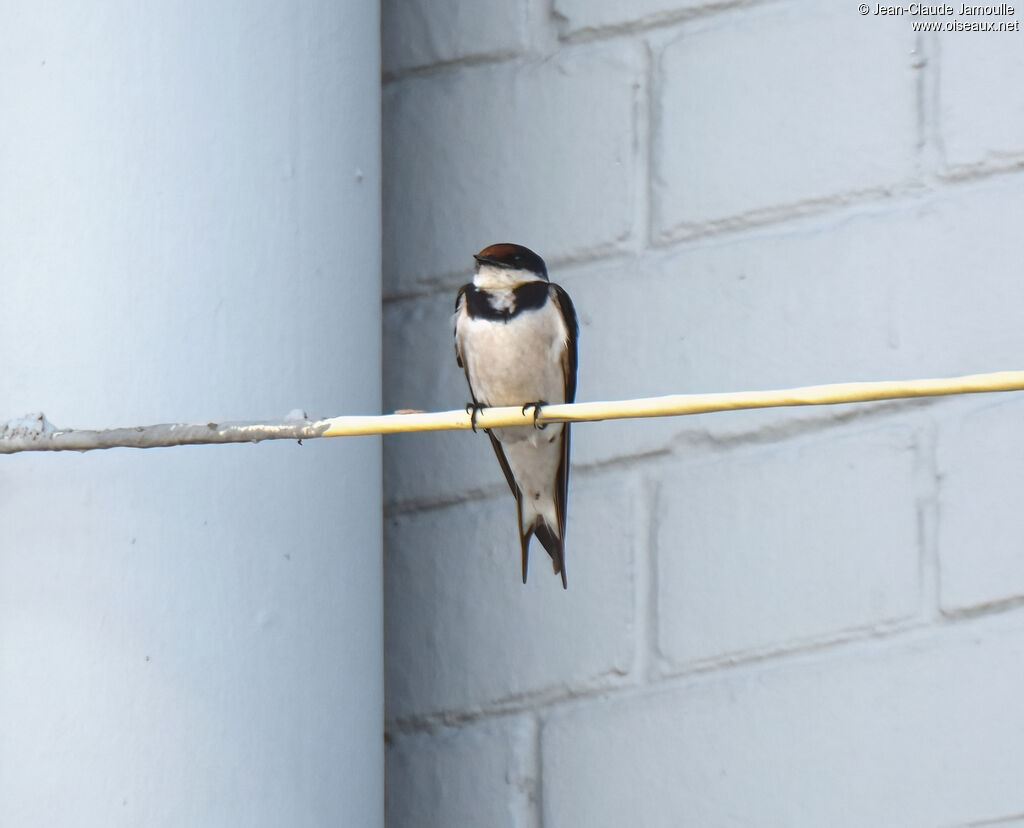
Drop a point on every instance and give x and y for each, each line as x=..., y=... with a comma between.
x=787, y=618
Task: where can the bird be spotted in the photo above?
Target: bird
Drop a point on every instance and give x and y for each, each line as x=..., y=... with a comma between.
x=516, y=340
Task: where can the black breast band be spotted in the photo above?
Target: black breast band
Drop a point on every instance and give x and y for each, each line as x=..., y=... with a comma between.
x=527, y=296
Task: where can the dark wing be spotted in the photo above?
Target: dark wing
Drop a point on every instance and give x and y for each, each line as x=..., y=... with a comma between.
x=524, y=537
x=569, y=367
x=460, y=298
x=503, y=461
x=562, y=500
x=568, y=312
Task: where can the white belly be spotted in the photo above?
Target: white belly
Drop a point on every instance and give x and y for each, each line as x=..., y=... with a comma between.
x=515, y=362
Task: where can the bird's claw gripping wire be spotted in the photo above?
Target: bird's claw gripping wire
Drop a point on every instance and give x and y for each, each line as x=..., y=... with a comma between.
x=536, y=406
x=472, y=409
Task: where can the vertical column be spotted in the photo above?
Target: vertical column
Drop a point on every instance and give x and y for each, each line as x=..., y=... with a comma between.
x=189, y=230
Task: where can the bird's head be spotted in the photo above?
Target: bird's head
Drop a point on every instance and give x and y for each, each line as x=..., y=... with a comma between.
x=508, y=265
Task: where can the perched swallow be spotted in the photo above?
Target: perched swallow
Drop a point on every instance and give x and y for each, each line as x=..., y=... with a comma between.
x=515, y=337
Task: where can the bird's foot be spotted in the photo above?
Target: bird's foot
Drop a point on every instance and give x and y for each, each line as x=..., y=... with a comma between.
x=536, y=406
x=472, y=409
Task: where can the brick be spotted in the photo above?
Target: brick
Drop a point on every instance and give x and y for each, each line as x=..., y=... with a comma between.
x=760, y=549
x=479, y=774
x=981, y=526
x=419, y=33
x=579, y=16
x=463, y=632
x=540, y=153
x=924, y=731
x=981, y=97
x=769, y=111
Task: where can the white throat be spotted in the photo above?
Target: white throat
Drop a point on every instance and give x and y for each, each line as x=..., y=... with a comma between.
x=489, y=277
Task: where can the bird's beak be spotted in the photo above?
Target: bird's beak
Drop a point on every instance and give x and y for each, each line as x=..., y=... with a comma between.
x=480, y=259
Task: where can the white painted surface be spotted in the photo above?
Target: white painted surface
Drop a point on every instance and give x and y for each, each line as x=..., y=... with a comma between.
x=417, y=33
x=786, y=618
x=778, y=97
x=189, y=231
x=477, y=775
x=917, y=732
x=981, y=539
x=568, y=119
x=981, y=100
x=585, y=17
x=817, y=570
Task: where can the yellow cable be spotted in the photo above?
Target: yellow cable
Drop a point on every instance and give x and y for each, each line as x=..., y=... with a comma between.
x=16, y=438
x=682, y=404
